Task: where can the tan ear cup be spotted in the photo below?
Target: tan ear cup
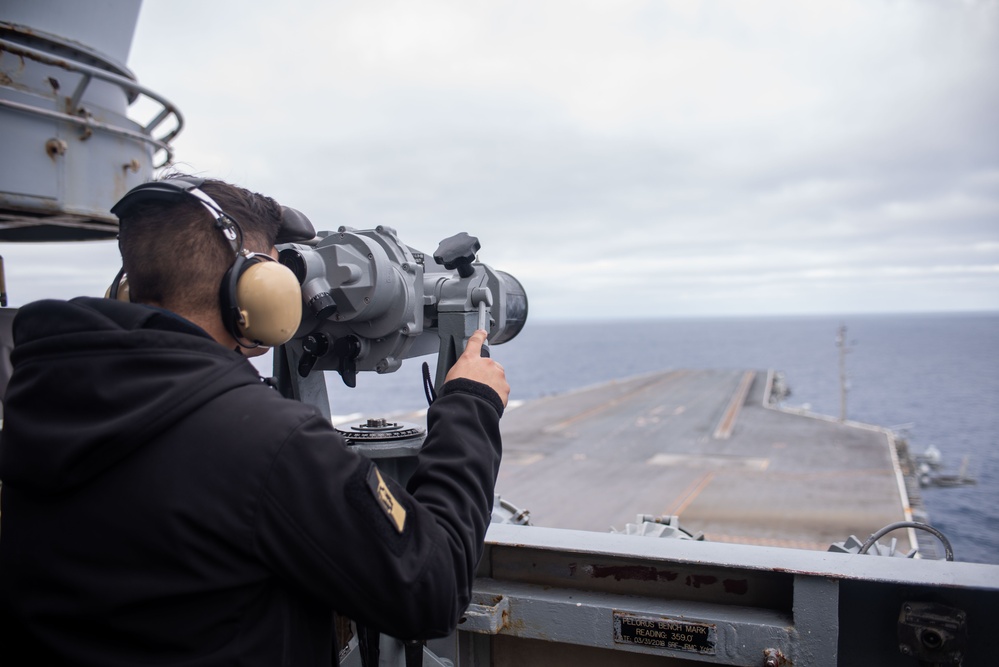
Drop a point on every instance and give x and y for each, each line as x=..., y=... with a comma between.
x=269, y=299
x=122, y=291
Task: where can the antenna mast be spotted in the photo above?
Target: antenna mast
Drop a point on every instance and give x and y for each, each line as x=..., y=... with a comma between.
x=841, y=344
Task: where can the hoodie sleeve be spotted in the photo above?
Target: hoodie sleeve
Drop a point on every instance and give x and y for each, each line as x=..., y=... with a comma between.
x=401, y=561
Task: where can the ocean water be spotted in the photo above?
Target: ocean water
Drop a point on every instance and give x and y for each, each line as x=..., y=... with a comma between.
x=933, y=378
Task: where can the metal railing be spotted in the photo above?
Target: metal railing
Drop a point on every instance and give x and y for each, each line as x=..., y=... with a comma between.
x=78, y=116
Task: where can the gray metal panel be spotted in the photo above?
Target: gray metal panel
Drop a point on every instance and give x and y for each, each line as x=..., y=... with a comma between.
x=28, y=175
x=749, y=557
x=70, y=149
x=542, y=597
x=109, y=24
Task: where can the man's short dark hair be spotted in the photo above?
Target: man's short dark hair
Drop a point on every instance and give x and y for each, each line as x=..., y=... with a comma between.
x=175, y=256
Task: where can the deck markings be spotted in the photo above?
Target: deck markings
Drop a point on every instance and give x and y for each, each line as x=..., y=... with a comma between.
x=724, y=428
x=685, y=501
x=521, y=458
x=602, y=407
x=702, y=461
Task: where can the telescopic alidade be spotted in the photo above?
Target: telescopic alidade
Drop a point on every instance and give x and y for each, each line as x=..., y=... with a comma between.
x=370, y=301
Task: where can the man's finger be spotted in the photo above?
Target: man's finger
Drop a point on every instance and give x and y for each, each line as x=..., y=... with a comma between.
x=474, y=345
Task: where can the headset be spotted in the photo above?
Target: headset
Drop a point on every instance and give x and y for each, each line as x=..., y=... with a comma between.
x=260, y=298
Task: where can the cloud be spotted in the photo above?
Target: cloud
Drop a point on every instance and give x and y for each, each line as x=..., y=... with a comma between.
x=656, y=157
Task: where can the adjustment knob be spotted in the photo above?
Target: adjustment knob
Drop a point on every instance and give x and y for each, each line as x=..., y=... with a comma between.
x=458, y=252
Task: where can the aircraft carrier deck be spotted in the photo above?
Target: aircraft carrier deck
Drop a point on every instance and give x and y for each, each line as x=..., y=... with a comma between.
x=707, y=446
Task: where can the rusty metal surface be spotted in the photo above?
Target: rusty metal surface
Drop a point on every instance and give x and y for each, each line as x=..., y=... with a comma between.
x=510, y=541
x=65, y=99
x=129, y=86
x=568, y=592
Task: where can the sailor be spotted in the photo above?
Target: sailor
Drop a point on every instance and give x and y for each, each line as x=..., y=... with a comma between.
x=162, y=504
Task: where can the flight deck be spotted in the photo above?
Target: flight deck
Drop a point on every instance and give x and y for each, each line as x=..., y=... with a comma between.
x=709, y=446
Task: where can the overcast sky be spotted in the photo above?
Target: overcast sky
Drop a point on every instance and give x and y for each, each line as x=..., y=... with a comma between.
x=620, y=158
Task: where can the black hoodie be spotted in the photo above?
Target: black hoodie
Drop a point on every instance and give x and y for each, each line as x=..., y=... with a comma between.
x=160, y=504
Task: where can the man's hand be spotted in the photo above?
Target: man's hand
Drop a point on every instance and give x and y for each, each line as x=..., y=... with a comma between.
x=472, y=366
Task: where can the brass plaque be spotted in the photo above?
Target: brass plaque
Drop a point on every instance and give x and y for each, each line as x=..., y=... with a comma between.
x=665, y=633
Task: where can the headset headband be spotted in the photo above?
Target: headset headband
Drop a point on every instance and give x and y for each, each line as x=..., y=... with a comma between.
x=295, y=226
x=179, y=188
